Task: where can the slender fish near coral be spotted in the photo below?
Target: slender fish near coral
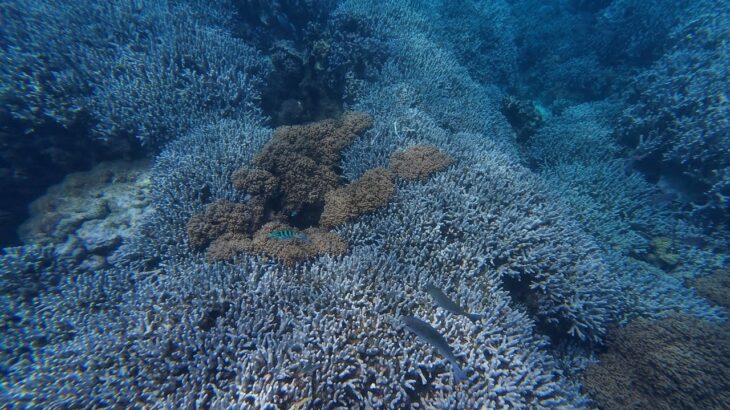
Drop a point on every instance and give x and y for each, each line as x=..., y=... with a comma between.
x=446, y=303
x=431, y=336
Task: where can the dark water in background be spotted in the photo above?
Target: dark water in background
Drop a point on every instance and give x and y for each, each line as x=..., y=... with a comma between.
x=233, y=204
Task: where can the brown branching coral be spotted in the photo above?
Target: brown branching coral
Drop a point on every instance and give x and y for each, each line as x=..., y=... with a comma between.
x=227, y=246
x=295, y=180
x=221, y=218
x=255, y=182
x=371, y=191
x=292, y=172
x=715, y=287
x=304, y=182
x=322, y=141
x=314, y=242
x=419, y=162
x=304, y=157
x=677, y=362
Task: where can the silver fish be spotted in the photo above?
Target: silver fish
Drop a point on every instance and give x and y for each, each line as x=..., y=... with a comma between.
x=445, y=302
x=431, y=336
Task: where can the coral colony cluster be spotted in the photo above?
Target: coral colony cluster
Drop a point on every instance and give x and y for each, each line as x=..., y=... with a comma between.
x=365, y=204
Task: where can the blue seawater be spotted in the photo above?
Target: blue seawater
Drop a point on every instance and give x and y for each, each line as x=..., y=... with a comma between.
x=560, y=169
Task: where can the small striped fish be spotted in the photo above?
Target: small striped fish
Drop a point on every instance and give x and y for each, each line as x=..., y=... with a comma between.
x=288, y=234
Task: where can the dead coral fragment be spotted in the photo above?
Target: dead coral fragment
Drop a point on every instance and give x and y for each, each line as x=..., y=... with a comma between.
x=419, y=162
x=255, y=182
x=653, y=365
x=371, y=191
x=294, y=250
x=221, y=218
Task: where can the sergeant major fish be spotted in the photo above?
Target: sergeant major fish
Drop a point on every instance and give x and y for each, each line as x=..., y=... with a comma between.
x=431, y=336
x=445, y=302
x=288, y=234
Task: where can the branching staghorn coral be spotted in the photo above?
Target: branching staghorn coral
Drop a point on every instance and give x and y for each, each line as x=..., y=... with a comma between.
x=676, y=360
x=258, y=335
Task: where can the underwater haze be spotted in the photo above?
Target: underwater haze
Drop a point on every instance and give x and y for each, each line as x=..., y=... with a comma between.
x=351, y=204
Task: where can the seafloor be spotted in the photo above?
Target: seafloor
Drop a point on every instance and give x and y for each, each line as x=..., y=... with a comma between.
x=405, y=204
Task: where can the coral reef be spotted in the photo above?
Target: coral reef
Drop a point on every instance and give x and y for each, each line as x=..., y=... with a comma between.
x=419, y=162
x=489, y=42
x=676, y=120
x=256, y=335
x=204, y=303
x=371, y=191
x=193, y=73
x=85, y=83
x=620, y=22
x=622, y=211
x=715, y=287
x=301, y=184
x=296, y=168
x=27, y=271
x=313, y=242
x=664, y=252
x=677, y=362
x=447, y=222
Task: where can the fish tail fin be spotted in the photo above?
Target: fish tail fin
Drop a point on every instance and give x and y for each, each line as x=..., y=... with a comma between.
x=459, y=374
x=474, y=316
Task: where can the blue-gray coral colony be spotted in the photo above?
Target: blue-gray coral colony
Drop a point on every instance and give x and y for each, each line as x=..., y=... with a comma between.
x=539, y=242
